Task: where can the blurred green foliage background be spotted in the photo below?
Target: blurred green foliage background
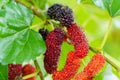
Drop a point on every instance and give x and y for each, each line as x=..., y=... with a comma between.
x=94, y=18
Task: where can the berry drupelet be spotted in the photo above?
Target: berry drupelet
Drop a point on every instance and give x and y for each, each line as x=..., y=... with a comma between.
x=70, y=69
x=53, y=43
x=78, y=39
x=43, y=33
x=61, y=13
x=97, y=62
x=14, y=71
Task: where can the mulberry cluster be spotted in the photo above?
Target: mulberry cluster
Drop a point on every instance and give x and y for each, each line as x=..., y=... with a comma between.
x=92, y=68
x=70, y=69
x=79, y=40
x=61, y=13
x=28, y=69
x=53, y=42
x=14, y=71
x=44, y=33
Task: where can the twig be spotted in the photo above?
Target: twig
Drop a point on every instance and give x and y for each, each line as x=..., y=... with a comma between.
x=37, y=25
x=39, y=70
x=108, y=58
x=29, y=76
x=106, y=34
x=31, y=1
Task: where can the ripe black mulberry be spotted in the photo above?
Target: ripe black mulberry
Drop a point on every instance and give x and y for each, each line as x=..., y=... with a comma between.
x=61, y=13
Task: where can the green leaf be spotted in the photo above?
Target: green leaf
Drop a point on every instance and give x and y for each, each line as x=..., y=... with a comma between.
x=17, y=15
x=1, y=76
x=3, y=3
x=2, y=13
x=112, y=6
x=86, y=1
x=39, y=3
x=18, y=42
x=3, y=72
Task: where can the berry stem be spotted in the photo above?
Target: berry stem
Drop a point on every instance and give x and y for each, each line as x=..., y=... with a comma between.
x=37, y=25
x=115, y=63
x=29, y=76
x=31, y=2
x=106, y=34
x=112, y=61
x=38, y=69
x=51, y=24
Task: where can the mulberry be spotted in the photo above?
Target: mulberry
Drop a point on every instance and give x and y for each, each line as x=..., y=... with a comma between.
x=28, y=69
x=83, y=76
x=14, y=71
x=79, y=40
x=61, y=13
x=70, y=69
x=92, y=68
x=53, y=42
x=44, y=33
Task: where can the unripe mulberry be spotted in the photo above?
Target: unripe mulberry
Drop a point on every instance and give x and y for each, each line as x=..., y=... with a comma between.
x=83, y=76
x=14, y=71
x=53, y=42
x=61, y=13
x=28, y=69
x=71, y=67
x=92, y=68
x=79, y=40
x=44, y=33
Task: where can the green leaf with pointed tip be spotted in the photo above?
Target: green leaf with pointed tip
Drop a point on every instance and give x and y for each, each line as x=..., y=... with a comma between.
x=18, y=42
x=112, y=6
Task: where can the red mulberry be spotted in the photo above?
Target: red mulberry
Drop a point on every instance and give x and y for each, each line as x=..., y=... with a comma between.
x=92, y=68
x=83, y=76
x=44, y=33
x=14, y=71
x=79, y=40
x=53, y=42
x=70, y=69
x=61, y=13
x=28, y=69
